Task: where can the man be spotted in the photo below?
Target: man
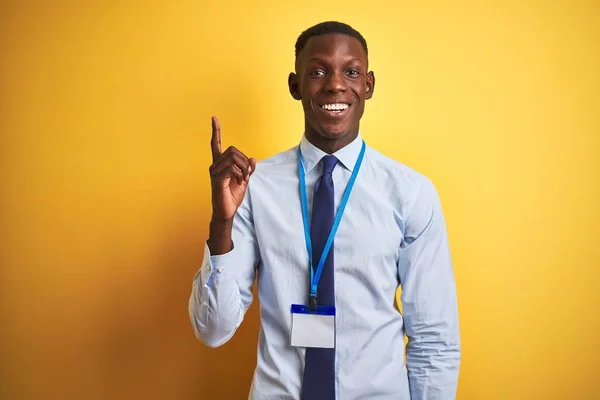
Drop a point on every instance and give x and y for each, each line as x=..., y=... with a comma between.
x=328, y=269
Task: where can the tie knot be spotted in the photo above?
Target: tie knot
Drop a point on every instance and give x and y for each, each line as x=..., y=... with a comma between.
x=329, y=163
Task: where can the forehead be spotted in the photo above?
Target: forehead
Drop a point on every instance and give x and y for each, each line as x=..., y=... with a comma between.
x=333, y=45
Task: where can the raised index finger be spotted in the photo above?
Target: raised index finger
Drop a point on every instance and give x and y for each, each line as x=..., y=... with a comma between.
x=215, y=140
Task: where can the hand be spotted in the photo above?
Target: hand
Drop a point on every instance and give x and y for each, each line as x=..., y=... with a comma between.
x=229, y=175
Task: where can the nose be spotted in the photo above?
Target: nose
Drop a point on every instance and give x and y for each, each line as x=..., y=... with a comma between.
x=335, y=83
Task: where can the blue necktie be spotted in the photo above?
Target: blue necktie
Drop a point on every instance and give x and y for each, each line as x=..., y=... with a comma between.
x=319, y=369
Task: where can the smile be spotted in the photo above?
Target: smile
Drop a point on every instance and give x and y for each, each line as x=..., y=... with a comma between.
x=335, y=109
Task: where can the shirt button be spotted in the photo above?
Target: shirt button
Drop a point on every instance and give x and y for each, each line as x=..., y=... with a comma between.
x=220, y=269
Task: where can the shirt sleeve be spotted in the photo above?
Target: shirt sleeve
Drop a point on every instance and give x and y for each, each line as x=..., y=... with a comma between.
x=429, y=301
x=222, y=288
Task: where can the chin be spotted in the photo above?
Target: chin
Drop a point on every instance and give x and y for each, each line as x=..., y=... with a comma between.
x=334, y=132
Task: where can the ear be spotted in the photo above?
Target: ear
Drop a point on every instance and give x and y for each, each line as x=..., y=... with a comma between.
x=370, y=84
x=294, y=86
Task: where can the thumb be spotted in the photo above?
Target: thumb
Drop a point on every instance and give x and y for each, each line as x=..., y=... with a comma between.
x=252, y=165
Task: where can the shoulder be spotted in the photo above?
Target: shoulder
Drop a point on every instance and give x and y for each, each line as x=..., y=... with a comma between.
x=400, y=178
x=414, y=192
x=276, y=169
x=275, y=162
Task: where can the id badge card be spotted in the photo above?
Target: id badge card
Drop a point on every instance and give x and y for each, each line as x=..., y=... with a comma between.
x=313, y=328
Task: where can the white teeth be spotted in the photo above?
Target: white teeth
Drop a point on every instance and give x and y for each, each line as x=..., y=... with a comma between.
x=335, y=106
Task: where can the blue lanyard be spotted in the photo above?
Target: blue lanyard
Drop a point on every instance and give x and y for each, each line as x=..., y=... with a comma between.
x=316, y=276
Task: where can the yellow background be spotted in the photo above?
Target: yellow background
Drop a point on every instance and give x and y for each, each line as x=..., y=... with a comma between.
x=104, y=189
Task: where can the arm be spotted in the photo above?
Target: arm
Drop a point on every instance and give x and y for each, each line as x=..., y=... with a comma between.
x=222, y=289
x=429, y=302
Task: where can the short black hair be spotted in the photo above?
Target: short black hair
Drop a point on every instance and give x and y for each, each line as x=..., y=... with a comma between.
x=329, y=27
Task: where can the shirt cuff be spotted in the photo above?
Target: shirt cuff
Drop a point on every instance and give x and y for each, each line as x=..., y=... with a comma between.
x=217, y=269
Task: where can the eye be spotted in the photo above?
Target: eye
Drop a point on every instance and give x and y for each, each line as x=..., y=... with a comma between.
x=317, y=72
x=353, y=72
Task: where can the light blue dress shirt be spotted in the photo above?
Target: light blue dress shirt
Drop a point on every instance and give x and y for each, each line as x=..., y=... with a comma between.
x=392, y=233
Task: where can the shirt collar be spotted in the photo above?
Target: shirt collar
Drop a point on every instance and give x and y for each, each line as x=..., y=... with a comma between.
x=347, y=155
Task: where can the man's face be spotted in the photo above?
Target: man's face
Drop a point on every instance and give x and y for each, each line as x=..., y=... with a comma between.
x=333, y=82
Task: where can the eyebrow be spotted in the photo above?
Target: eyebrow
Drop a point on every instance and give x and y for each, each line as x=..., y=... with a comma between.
x=320, y=60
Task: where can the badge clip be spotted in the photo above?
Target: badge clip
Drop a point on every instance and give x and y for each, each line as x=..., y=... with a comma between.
x=312, y=303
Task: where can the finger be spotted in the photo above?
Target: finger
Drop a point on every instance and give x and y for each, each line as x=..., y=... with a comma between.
x=232, y=158
x=252, y=167
x=228, y=171
x=242, y=161
x=232, y=149
x=215, y=140
x=239, y=158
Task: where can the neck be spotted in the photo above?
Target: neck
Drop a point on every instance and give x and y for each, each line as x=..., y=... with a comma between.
x=330, y=145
